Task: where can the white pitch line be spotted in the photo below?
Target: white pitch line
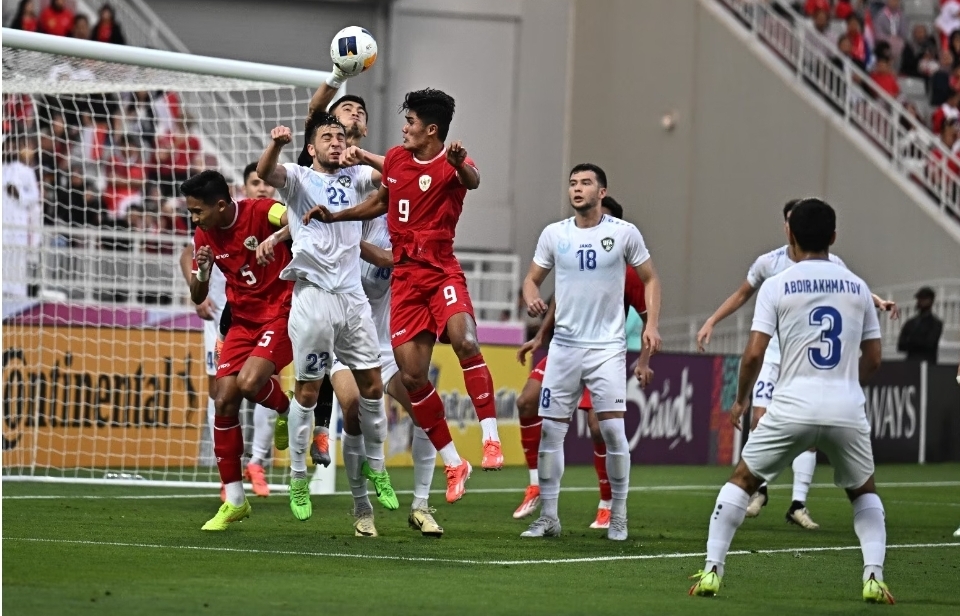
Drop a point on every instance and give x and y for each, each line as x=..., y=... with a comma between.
x=282, y=489
x=544, y=561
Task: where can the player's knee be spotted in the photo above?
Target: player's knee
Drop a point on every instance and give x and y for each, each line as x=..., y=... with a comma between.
x=414, y=380
x=596, y=435
x=467, y=347
x=372, y=390
x=528, y=405
x=351, y=423
x=250, y=385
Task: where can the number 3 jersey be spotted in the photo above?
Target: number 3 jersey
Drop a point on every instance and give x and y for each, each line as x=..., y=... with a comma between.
x=255, y=293
x=590, y=267
x=426, y=199
x=327, y=255
x=822, y=312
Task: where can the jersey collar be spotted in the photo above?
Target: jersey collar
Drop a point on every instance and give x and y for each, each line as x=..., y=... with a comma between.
x=236, y=215
x=443, y=152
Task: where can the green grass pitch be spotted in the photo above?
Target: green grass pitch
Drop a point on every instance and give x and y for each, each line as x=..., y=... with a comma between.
x=73, y=549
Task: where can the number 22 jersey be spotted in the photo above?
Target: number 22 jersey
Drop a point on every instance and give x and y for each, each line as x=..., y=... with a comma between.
x=255, y=292
x=426, y=199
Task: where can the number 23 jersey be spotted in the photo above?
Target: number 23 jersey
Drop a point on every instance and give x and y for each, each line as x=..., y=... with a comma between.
x=255, y=292
x=590, y=267
x=426, y=199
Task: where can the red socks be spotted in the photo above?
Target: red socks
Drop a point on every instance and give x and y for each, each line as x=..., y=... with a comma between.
x=476, y=376
x=272, y=396
x=228, y=447
x=600, y=464
x=530, y=439
x=429, y=412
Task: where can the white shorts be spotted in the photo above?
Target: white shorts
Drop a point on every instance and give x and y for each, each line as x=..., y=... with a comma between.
x=602, y=371
x=211, y=331
x=324, y=326
x=388, y=366
x=766, y=382
x=776, y=442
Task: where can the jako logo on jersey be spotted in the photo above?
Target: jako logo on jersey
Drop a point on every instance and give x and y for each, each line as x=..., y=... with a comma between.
x=586, y=245
x=344, y=180
x=618, y=401
x=425, y=182
x=251, y=243
x=607, y=243
x=563, y=247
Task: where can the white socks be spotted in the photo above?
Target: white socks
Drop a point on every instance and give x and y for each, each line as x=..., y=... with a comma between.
x=534, y=477
x=299, y=420
x=489, y=427
x=868, y=522
x=373, y=426
x=803, y=467
x=728, y=514
x=264, y=420
x=449, y=455
x=234, y=493
x=550, y=465
x=618, y=463
x=352, y=460
x=424, y=462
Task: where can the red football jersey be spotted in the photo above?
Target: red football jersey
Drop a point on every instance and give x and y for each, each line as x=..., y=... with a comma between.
x=255, y=292
x=633, y=291
x=426, y=198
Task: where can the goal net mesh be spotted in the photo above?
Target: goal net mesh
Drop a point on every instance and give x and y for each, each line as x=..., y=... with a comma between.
x=104, y=371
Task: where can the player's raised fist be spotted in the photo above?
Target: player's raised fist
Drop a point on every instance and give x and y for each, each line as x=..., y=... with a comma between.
x=353, y=155
x=318, y=212
x=281, y=135
x=204, y=258
x=456, y=154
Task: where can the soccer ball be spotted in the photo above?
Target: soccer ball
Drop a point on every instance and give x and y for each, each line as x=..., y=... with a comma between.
x=353, y=50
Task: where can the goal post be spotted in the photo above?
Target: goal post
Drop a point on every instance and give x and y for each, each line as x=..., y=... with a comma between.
x=104, y=369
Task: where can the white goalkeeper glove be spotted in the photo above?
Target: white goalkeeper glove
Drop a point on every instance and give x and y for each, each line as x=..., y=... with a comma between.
x=336, y=78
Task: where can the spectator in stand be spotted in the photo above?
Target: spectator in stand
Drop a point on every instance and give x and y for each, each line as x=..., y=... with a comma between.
x=811, y=7
x=860, y=51
x=56, y=19
x=919, y=57
x=843, y=10
x=920, y=335
x=948, y=20
x=107, y=29
x=890, y=27
x=942, y=159
x=125, y=177
x=136, y=117
x=81, y=27
x=940, y=88
x=178, y=157
x=883, y=74
x=26, y=16
x=948, y=111
x=954, y=45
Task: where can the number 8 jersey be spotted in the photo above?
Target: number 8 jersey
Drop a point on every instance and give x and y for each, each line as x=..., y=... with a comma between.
x=822, y=312
x=590, y=267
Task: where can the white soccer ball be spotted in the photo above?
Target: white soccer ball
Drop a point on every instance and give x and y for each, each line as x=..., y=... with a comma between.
x=353, y=50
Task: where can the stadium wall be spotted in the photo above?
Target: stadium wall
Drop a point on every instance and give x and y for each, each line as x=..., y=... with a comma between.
x=707, y=193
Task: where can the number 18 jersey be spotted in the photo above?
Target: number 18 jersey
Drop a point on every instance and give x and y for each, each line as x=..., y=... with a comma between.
x=590, y=267
x=822, y=312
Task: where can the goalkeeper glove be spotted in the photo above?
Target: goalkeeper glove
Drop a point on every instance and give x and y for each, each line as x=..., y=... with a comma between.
x=336, y=78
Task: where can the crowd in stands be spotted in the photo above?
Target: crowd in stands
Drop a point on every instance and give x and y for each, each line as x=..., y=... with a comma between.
x=99, y=161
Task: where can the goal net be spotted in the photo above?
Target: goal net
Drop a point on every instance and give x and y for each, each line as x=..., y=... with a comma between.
x=104, y=372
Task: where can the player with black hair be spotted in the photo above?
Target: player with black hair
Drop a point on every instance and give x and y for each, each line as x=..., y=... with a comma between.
x=766, y=266
x=256, y=347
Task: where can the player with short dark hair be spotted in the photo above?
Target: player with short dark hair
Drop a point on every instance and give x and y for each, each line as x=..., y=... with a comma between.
x=257, y=346
x=829, y=337
x=424, y=186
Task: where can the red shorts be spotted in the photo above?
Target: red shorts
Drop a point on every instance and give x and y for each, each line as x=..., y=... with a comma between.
x=537, y=375
x=424, y=299
x=246, y=339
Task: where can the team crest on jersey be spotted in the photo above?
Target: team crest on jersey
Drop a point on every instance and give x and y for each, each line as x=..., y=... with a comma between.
x=251, y=243
x=563, y=246
x=425, y=182
x=344, y=181
x=607, y=243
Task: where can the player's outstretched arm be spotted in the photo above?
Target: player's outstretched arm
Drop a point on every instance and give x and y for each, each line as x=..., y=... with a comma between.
x=531, y=290
x=267, y=167
x=870, y=357
x=730, y=305
x=886, y=306
x=327, y=91
x=375, y=255
x=374, y=206
x=355, y=155
x=750, y=365
x=265, y=249
x=651, y=295
x=468, y=174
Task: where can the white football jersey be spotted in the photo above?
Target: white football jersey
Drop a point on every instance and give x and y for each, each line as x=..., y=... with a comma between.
x=591, y=267
x=217, y=291
x=823, y=312
x=327, y=255
x=376, y=280
x=767, y=266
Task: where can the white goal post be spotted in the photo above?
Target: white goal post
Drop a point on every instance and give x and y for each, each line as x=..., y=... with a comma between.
x=104, y=375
